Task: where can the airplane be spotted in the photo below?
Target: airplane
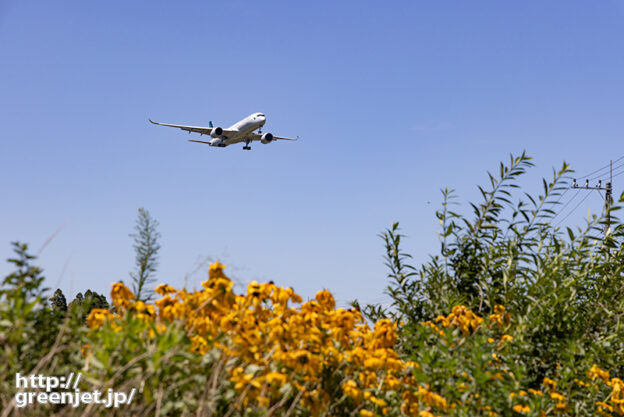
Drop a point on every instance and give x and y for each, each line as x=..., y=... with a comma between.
x=242, y=131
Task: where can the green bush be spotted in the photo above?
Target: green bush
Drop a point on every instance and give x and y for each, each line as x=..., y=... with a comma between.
x=564, y=287
x=513, y=316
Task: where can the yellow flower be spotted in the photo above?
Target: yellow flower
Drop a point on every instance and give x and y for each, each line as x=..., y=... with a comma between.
x=325, y=300
x=254, y=289
x=550, y=384
x=431, y=398
x=351, y=389
x=215, y=270
x=199, y=345
x=97, y=317
x=617, y=394
x=500, y=318
x=506, y=338
x=521, y=408
x=557, y=396
x=276, y=378
x=242, y=380
x=461, y=317
x=392, y=382
x=384, y=335
x=366, y=413
x=121, y=295
x=164, y=289
x=605, y=406
x=595, y=372
x=581, y=383
x=536, y=392
x=167, y=307
x=377, y=401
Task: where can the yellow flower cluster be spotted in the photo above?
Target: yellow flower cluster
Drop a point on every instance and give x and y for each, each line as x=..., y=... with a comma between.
x=615, y=402
x=500, y=318
x=123, y=300
x=461, y=317
x=414, y=400
x=122, y=296
x=616, y=398
x=596, y=373
x=269, y=348
x=275, y=344
x=97, y=317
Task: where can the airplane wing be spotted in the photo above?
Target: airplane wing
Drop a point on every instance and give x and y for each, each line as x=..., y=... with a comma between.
x=258, y=136
x=199, y=141
x=196, y=129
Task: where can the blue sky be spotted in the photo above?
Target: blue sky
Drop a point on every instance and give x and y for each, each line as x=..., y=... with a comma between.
x=392, y=100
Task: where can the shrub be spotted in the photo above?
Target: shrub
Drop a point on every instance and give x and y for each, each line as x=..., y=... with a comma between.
x=513, y=317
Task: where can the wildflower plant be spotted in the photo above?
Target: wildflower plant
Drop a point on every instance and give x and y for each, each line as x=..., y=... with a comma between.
x=514, y=317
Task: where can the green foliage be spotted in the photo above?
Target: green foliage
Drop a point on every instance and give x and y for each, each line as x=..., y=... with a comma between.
x=563, y=291
x=58, y=302
x=566, y=289
x=146, y=247
x=28, y=329
x=21, y=296
x=82, y=305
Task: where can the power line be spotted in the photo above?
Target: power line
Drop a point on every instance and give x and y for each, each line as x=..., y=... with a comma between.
x=605, y=174
x=615, y=174
x=600, y=169
x=559, y=199
x=589, y=179
x=574, y=209
x=608, y=189
x=566, y=205
x=608, y=166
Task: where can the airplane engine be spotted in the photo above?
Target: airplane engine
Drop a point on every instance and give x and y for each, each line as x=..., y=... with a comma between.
x=216, y=132
x=217, y=142
x=266, y=138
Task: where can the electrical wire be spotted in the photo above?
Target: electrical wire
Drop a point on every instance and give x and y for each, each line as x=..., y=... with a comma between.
x=560, y=197
x=565, y=205
x=615, y=174
x=606, y=167
x=574, y=209
x=600, y=169
x=606, y=173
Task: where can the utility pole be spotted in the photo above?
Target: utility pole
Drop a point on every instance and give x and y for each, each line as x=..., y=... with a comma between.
x=608, y=189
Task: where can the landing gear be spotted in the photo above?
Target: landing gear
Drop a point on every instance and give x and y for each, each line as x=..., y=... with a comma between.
x=247, y=147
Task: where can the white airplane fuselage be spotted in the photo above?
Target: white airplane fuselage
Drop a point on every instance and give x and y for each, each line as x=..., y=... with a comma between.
x=241, y=130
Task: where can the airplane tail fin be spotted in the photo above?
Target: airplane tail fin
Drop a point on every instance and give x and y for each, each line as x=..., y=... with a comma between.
x=210, y=124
